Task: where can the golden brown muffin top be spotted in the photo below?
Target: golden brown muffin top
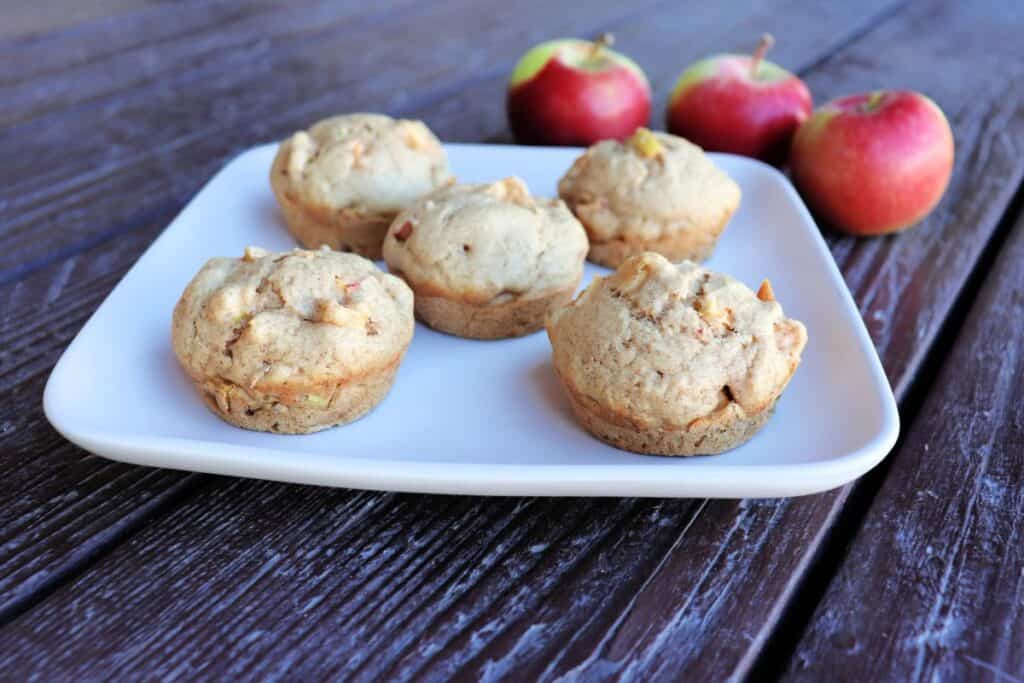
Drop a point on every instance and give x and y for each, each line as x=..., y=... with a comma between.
x=367, y=163
x=293, y=322
x=647, y=187
x=665, y=344
x=485, y=242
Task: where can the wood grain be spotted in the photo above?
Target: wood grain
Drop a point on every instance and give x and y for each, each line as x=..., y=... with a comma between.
x=71, y=170
x=433, y=586
x=155, y=49
x=933, y=585
x=25, y=20
x=398, y=561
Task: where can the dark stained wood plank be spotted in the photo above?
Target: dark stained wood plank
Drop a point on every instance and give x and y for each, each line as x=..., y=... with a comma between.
x=933, y=584
x=59, y=507
x=29, y=57
x=40, y=314
x=69, y=171
x=396, y=559
x=697, y=589
x=22, y=20
x=79, y=508
x=155, y=46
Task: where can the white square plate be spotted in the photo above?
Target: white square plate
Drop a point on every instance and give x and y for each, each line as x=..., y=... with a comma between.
x=476, y=417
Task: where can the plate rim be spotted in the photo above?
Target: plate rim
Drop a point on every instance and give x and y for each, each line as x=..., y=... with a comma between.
x=477, y=478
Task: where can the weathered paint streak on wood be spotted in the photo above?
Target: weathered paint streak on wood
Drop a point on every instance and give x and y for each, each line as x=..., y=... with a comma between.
x=933, y=585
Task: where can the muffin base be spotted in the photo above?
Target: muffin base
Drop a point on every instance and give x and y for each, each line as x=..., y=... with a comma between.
x=710, y=438
x=314, y=226
x=513, y=318
x=265, y=413
x=350, y=232
x=687, y=244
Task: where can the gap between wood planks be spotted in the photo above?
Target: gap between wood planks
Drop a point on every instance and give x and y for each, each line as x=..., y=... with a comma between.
x=814, y=582
x=869, y=26
x=86, y=555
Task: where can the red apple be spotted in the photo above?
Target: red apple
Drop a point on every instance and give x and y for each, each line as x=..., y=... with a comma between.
x=574, y=92
x=741, y=104
x=874, y=163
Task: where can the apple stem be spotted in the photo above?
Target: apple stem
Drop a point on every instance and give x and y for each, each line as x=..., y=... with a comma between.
x=597, y=47
x=767, y=40
x=873, y=101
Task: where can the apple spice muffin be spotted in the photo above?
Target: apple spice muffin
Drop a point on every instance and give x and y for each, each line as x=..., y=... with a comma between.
x=342, y=182
x=293, y=342
x=653, y=192
x=487, y=261
x=673, y=359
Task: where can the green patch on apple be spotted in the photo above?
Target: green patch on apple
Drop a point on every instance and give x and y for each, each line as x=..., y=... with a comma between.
x=581, y=54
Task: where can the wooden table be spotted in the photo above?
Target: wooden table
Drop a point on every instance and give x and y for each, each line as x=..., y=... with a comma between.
x=113, y=114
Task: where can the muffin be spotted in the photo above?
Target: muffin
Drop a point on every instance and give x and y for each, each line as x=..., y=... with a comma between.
x=293, y=342
x=673, y=359
x=653, y=192
x=342, y=182
x=487, y=261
